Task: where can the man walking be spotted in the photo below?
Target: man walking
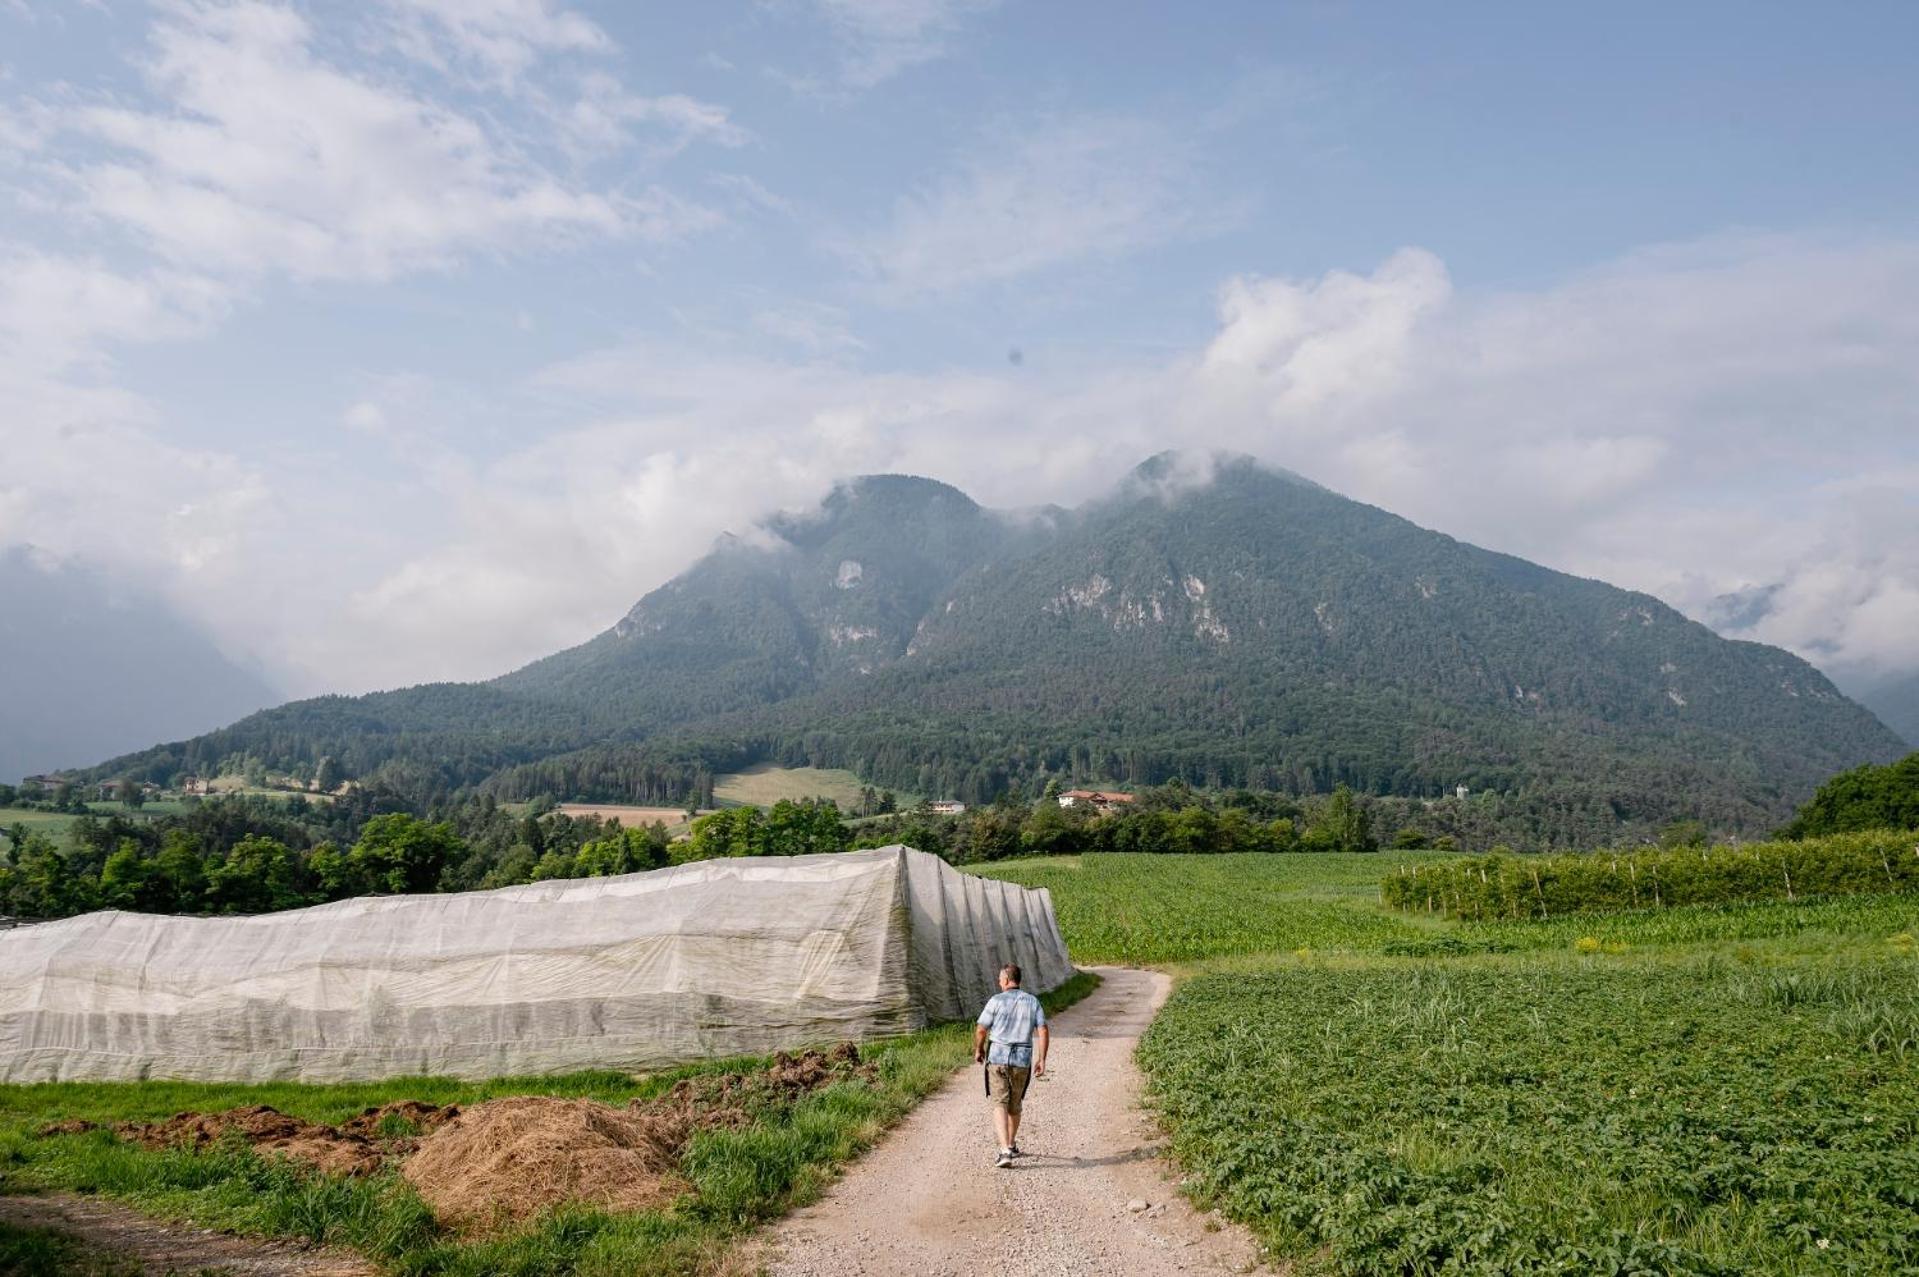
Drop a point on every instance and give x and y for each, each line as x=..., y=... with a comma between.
x=1003, y=1041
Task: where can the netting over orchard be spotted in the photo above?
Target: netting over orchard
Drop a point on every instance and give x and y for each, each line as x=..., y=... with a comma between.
x=721, y=957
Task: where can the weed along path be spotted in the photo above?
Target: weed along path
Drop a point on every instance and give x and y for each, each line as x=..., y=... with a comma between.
x=1091, y=1196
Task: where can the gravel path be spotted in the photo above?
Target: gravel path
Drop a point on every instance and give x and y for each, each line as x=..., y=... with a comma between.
x=1091, y=1196
x=174, y=1248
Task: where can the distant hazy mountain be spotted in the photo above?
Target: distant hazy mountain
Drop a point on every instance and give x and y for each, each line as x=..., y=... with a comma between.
x=88, y=669
x=1895, y=699
x=1251, y=629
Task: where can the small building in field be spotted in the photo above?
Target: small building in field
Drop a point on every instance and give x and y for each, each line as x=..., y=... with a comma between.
x=1098, y=799
x=949, y=807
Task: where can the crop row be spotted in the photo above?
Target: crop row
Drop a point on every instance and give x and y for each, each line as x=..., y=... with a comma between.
x=1504, y=886
x=1617, y=1115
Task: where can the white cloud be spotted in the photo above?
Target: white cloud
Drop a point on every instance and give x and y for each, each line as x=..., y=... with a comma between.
x=604, y=116
x=881, y=38
x=259, y=155
x=365, y=416
x=808, y=326
x=87, y=472
x=1063, y=192
x=502, y=38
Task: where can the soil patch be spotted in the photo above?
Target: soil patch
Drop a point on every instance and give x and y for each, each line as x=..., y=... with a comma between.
x=505, y=1161
x=358, y=1146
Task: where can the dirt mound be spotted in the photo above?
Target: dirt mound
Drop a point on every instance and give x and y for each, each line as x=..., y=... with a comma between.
x=357, y=1147
x=507, y=1160
x=399, y=1121
x=69, y=1126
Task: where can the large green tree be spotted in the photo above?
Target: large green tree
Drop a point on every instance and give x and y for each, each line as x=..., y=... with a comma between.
x=1864, y=798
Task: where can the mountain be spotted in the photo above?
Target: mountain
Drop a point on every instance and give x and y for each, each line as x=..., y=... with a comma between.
x=1249, y=629
x=1895, y=699
x=88, y=668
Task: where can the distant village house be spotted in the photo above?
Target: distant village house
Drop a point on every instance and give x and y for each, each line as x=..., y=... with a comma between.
x=948, y=807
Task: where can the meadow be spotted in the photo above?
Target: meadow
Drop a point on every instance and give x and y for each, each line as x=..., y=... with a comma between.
x=765, y=784
x=54, y=823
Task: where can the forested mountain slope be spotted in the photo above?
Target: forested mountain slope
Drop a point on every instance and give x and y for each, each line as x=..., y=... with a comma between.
x=1253, y=629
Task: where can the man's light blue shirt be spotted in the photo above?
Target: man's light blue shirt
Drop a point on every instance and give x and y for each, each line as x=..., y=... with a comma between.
x=1010, y=1017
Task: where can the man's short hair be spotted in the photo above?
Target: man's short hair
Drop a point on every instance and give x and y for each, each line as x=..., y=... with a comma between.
x=1011, y=972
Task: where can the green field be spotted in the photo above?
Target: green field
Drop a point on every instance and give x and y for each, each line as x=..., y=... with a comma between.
x=55, y=822
x=1149, y=909
x=1644, y=1114
x=1709, y=1089
x=765, y=784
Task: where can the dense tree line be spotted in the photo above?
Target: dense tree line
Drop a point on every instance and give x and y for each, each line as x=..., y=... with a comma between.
x=1866, y=797
x=251, y=854
x=1168, y=818
x=239, y=855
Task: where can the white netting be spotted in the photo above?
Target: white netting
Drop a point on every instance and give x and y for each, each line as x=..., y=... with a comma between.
x=722, y=957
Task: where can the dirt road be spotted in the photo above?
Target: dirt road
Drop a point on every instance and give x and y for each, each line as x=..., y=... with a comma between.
x=1092, y=1196
x=162, y=1248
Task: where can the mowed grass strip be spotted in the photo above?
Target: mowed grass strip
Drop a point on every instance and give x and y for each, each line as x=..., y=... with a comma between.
x=1148, y=909
x=1687, y=1114
x=738, y=1177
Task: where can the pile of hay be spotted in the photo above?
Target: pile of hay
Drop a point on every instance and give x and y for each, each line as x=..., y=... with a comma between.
x=505, y=1161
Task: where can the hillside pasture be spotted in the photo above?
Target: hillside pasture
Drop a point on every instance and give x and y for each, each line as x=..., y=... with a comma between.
x=764, y=784
x=674, y=818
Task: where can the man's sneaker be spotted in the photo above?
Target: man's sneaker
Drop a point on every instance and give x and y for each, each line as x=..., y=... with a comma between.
x=1017, y=1151
x=1006, y=1156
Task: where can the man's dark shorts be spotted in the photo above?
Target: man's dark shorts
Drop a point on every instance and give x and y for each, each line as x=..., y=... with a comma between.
x=1007, y=1082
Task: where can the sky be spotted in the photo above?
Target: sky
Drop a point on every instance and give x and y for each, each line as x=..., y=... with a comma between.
x=410, y=340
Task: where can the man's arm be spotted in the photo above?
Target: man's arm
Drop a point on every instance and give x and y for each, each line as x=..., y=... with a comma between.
x=979, y=1044
x=1043, y=1036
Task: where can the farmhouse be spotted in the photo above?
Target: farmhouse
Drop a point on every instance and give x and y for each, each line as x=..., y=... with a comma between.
x=948, y=807
x=721, y=957
x=1099, y=799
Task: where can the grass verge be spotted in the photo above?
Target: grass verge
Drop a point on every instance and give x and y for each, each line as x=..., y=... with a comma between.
x=738, y=1177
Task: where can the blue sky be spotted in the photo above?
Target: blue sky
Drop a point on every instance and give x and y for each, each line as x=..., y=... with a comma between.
x=414, y=338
